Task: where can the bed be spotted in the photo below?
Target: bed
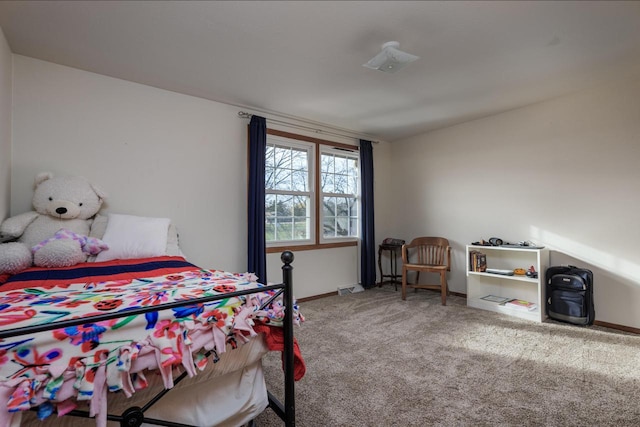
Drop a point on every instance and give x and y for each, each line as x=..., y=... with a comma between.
x=140, y=341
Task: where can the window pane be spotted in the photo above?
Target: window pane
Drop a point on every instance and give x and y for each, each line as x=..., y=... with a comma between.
x=341, y=184
x=269, y=177
x=286, y=169
x=341, y=165
x=353, y=185
x=342, y=226
x=284, y=229
x=301, y=228
x=269, y=154
x=326, y=163
x=283, y=157
x=329, y=206
x=340, y=217
x=353, y=167
x=284, y=206
x=282, y=179
x=339, y=174
x=326, y=183
x=270, y=205
x=270, y=229
x=328, y=226
x=336, y=227
x=354, y=229
x=300, y=181
x=353, y=207
x=301, y=205
x=288, y=217
x=342, y=207
x=299, y=160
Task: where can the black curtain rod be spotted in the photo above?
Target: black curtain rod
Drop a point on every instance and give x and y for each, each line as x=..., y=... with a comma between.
x=245, y=115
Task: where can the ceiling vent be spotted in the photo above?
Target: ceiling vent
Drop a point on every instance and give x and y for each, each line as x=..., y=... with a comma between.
x=390, y=59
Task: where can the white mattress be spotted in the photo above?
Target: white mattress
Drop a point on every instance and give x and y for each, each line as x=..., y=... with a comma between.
x=230, y=392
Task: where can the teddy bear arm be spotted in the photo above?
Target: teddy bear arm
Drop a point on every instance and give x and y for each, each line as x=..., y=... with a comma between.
x=59, y=253
x=13, y=227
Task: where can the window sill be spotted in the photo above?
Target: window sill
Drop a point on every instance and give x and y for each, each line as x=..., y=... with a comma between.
x=295, y=248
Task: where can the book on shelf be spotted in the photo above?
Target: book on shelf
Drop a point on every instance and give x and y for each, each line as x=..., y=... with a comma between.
x=520, y=304
x=477, y=261
x=495, y=298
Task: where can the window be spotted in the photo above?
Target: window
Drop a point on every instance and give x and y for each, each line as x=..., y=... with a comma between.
x=340, y=189
x=311, y=192
x=288, y=188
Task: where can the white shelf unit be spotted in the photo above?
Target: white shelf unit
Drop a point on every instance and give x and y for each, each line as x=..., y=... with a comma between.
x=519, y=287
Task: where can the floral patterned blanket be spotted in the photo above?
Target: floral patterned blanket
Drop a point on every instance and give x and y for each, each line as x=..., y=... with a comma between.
x=54, y=369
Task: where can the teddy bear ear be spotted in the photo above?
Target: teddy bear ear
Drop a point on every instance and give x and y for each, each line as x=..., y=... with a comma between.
x=101, y=194
x=42, y=177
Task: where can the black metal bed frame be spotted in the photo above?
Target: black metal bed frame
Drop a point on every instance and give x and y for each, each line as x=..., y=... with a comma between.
x=134, y=416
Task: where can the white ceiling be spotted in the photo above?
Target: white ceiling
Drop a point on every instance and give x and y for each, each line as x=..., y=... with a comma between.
x=304, y=59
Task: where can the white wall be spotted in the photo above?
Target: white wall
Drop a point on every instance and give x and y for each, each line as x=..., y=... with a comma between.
x=385, y=211
x=563, y=173
x=5, y=125
x=157, y=153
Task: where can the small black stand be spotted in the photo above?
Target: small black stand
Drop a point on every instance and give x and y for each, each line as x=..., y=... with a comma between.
x=394, y=277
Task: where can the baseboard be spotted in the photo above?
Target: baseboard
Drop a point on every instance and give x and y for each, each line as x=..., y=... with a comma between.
x=460, y=294
x=596, y=322
x=618, y=327
x=311, y=298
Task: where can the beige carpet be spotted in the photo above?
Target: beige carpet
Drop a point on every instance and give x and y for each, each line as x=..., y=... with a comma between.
x=375, y=360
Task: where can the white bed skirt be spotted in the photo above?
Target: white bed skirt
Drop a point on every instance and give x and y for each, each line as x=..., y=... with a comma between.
x=226, y=394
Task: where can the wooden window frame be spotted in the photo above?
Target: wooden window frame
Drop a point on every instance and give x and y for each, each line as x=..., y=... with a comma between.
x=278, y=248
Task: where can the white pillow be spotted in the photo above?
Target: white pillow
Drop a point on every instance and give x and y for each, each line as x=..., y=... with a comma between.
x=130, y=236
x=99, y=226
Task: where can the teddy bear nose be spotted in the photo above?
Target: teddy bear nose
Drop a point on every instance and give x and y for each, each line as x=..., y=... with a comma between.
x=61, y=211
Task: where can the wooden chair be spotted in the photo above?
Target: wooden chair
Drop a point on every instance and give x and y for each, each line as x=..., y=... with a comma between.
x=428, y=255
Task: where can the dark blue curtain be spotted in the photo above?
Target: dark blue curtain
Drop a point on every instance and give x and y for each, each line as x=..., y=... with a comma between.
x=368, y=244
x=257, y=261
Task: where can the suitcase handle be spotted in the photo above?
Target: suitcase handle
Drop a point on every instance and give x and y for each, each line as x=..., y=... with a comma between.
x=565, y=278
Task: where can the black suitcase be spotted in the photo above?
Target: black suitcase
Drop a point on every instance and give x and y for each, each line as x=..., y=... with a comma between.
x=569, y=292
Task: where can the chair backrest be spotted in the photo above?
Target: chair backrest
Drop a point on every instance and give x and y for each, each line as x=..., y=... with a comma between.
x=428, y=251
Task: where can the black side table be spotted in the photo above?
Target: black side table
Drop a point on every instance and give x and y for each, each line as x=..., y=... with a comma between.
x=394, y=277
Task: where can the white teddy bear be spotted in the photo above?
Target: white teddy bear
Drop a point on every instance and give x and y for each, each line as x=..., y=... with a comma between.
x=54, y=235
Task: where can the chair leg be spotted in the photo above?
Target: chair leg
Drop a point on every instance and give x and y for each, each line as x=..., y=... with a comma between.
x=404, y=284
x=415, y=290
x=443, y=287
